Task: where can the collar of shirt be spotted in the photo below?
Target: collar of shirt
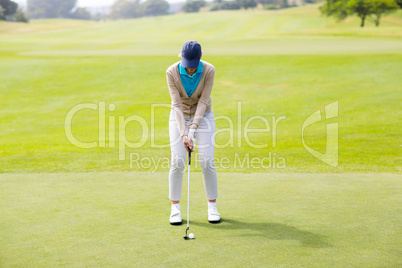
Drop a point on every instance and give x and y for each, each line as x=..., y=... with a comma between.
x=183, y=71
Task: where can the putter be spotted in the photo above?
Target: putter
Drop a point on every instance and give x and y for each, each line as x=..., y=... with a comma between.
x=188, y=195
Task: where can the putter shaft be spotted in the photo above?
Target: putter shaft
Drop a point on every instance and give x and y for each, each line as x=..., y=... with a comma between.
x=188, y=194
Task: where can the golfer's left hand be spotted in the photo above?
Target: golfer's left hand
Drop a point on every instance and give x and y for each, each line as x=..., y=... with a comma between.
x=191, y=136
x=187, y=143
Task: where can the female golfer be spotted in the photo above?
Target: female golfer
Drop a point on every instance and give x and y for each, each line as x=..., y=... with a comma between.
x=190, y=84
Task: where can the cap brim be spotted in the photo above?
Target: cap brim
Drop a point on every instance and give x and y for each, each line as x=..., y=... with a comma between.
x=190, y=63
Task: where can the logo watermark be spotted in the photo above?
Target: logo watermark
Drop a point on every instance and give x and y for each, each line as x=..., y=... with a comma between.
x=245, y=162
x=238, y=133
x=331, y=148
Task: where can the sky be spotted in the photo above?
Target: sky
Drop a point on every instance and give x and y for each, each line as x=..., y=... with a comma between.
x=88, y=3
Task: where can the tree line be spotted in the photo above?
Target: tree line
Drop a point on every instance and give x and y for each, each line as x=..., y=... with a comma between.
x=124, y=9
x=9, y=10
x=196, y=5
x=39, y=9
x=364, y=9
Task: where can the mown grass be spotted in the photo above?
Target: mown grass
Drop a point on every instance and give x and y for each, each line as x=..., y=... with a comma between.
x=39, y=92
x=65, y=206
x=121, y=219
x=294, y=31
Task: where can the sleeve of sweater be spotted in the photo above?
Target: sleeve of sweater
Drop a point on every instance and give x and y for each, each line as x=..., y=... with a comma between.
x=177, y=104
x=205, y=98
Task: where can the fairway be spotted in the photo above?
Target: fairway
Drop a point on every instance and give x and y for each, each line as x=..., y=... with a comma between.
x=366, y=86
x=106, y=206
x=121, y=219
x=293, y=31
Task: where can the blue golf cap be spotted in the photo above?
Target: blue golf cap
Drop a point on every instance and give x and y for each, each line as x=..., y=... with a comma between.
x=191, y=54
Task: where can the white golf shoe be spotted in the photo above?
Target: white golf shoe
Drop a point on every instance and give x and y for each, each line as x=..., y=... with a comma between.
x=175, y=216
x=213, y=215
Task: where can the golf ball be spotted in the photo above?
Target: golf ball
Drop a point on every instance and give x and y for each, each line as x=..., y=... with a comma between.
x=191, y=236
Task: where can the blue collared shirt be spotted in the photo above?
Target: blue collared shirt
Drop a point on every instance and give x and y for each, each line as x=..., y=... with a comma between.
x=190, y=82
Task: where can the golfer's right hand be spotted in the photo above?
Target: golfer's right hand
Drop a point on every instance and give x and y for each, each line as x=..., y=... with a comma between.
x=191, y=136
x=187, y=143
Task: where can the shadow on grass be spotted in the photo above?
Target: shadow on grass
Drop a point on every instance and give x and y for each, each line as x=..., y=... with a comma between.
x=270, y=230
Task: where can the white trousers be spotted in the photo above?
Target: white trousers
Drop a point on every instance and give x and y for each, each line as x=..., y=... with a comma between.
x=205, y=140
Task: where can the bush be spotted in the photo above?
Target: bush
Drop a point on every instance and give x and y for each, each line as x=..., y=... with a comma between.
x=264, y=2
x=270, y=6
x=215, y=7
x=2, y=13
x=231, y=5
x=247, y=3
x=155, y=7
x=124, y=9
x=193, y=5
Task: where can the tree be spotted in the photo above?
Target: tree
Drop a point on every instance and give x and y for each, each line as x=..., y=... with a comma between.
x=193, y=5
x=20, y=16
x=126, y=9
x=362, y=8
x=399, y=3
x=231, y=5
x=341, y=9
x=8, y=8
x=80, y=14
x=265, y=2
x=336, y=8
x=284, y=4
x=382, y=7
x=51, y=8
x=155, y=7
x=248, y=3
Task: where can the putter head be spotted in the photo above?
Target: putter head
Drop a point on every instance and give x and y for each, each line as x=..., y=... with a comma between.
x=186, y=236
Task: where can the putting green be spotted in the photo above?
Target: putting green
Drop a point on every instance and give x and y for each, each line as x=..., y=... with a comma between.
x=121, y=219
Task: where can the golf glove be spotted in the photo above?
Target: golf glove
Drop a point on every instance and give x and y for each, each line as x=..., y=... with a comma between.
x=191, y=136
